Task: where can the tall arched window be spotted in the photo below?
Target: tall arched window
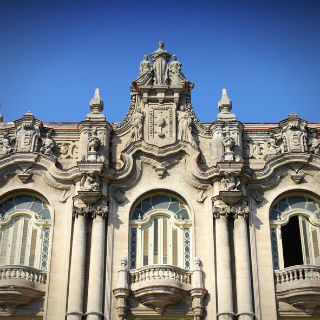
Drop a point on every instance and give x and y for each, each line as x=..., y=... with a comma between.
x=160, y=232
x=295, y=232
x=24, y=232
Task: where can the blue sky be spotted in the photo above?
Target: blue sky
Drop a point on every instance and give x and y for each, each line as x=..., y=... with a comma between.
x=55, y=53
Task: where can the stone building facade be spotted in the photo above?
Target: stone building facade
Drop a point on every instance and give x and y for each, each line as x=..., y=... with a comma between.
x=160, y=216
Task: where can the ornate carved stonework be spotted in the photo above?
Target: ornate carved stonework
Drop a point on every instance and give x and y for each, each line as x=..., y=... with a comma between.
x=160, y=124
x=294, y=134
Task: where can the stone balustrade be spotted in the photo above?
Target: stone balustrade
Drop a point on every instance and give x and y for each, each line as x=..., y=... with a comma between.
x=15, y=272
x=161, y=274
x=297, y=273
x=299, y=286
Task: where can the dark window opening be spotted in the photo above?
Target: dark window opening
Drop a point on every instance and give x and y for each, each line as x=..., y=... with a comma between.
x=292, y=251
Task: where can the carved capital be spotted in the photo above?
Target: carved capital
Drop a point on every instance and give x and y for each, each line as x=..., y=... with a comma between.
x=239, y=209
x=91, y=211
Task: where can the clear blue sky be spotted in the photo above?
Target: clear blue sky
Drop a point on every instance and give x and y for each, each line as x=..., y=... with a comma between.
x=55, y=53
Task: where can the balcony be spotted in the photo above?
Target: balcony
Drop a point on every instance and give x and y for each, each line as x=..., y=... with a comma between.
x=20, y=285
x=299, y=286
x=160, y=286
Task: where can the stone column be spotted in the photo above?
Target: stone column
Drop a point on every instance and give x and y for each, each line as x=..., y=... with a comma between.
x=242, y=263
x=96, y=270
x=77, y=269
x=223, y=262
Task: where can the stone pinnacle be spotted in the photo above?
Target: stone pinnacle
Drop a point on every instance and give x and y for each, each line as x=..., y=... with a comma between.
x=96, y=104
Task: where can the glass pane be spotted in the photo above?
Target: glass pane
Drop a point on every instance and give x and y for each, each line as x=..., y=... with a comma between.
x=4, y=245
x=155, y=241
x=145, y=246
x=24, y=240
x=315, y=242
x=283, y=205
x=312, y=206
x=37, y=207
x=297, y=202
x=165, y=241
x=136, y=213
x=45, y=249
x=23, y=202
x=14, y=240
x=45, y=214
x=174, y=207
x=274, y=214
x=8, y=206
x=145, y=206
x=33, y=248
x=186, y=248
x=183, y=214
x=133, y=248
x=174, y=247
x=160, y=202
x=274, y=245
x=305, y=240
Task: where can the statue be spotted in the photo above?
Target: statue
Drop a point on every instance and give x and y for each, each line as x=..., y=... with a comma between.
x=137, y=124
x=160, y=59
x=90, y=182
x=176, y=77
x=27, y=138
x=48, y=145
x=257, y=151
x=271, y=146
x=314, y=144
x=184, y=126
x=230, y=182
x=146, y=72
x=6, y=144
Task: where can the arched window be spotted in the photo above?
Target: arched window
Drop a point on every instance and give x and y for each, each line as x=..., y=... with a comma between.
x=295, y=232
x=160, y=232
x=24, y=232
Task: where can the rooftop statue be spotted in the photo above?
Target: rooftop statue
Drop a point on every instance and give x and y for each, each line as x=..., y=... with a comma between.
x=175, y=75
x=146, y=72
x=160, y=59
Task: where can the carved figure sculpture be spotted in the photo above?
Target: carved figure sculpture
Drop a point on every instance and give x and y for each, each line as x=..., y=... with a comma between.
x=176, y=77
x=160, y=59
x=6, y=144
x=271, y=146
x=93, y=141
x=90, y=182
x=146, y=72
x=48, y=145
x=257, y=151
x=184, y=126
x=314, y=144
x=27, y=138
x=137, y=124
x=228, y=143
x=230, y=182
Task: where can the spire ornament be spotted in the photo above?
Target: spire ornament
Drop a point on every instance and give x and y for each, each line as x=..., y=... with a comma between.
x=96, y=106
x=225, y=106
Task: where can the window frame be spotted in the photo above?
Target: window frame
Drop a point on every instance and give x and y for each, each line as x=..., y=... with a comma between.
x=173, y=223
x=312, y=223
x=17, y=217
